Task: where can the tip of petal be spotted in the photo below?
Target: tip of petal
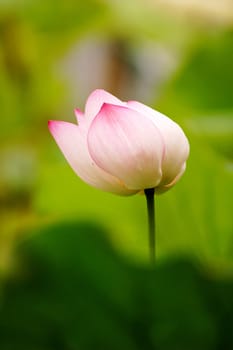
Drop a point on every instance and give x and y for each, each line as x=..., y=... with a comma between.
x=96, y=100
x=55, y=126
x=110, y=106
x=78, y=114
x=105, y=106
x=51, y=124
x=77, y=111
x=98, y=93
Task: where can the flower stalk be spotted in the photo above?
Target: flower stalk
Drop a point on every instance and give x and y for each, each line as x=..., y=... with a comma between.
x=150, y=192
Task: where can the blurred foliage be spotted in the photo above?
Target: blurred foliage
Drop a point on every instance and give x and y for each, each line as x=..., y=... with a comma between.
x=71, y=290
x=205, y=78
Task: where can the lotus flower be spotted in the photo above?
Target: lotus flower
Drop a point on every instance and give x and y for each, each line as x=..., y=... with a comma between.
x=122, y=147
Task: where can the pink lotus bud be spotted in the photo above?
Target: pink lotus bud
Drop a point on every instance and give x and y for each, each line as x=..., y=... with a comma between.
x=122, y=147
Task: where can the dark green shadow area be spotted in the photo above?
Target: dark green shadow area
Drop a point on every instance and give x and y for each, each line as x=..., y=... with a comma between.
x=72, y=291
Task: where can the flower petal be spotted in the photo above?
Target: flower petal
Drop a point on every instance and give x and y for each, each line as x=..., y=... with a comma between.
x=176, y=143
x=79, y=115
x=96, y=100
x=71, y=139
x=165, y=188
x=127, y=145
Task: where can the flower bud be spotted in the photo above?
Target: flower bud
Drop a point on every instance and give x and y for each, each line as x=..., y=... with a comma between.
x=122, y=147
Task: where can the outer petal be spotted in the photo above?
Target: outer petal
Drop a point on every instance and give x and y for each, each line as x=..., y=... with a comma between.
x=176, y=143
x=71, y=139
x=127, y=145
x=165, y=188
x=96, y=100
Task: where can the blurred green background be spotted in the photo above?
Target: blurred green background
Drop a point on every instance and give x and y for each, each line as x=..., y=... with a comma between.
x=176, y=56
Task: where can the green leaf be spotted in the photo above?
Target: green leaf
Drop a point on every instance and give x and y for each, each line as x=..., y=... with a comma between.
x=71, y=290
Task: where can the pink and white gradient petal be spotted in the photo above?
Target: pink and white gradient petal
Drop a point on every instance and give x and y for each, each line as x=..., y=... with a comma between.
x=176, y=143
x=165, y=188
x=71, y=139
x=96, y=100
x=127, y=145
x=79, y=115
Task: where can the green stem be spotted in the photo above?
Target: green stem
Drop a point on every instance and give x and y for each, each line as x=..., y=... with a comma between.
x=149, y=192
